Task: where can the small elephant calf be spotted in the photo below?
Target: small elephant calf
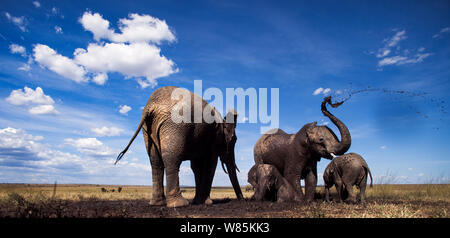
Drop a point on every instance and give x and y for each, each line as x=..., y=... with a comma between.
x=344, y=172
x=270, y=185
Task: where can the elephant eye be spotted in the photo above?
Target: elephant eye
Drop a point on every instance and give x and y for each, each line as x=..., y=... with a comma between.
x=320, y=140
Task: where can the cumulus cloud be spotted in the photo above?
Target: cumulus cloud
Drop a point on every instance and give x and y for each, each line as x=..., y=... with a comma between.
x=133, y=52
x=132, y=60
x=20, y=149
x=124, y=109
x=322, y=91
x=107, y=131
x=401, y=57
x=28, y=95
x=36, y=4
x=20, y=22
x=18, y=49
x=90, y=146
x=135, y=28
x=43, y=109
x=59, y=64
x=42, y=104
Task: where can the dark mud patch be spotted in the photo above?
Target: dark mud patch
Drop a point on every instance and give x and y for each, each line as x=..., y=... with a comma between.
x=221, y=208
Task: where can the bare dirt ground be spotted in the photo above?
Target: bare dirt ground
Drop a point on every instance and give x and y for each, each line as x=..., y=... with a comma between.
x=88, y=201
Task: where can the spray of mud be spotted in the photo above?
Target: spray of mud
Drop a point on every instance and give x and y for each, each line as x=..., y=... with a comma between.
x=438, y=104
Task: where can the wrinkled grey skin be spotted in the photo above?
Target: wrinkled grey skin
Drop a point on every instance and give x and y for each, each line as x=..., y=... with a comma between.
x=269, y=185
x=344, y=172
x=169, y=143
x=296, y=155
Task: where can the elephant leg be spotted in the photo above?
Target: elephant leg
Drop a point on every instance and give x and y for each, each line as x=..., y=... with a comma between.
x=339, y=188
x=294, y=179
x=327, y=193
x=210, y=170
x=172, y=164
x=197, y=170
x=158, y=198
x=203, y=179
x=310, y=185
x=362, y=189
x=351, y=194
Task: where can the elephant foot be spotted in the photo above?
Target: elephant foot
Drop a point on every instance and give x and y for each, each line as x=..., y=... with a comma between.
x=198, y=201
x=158, y=202
x=208, y=201
x=177, y=202
x=351, y=200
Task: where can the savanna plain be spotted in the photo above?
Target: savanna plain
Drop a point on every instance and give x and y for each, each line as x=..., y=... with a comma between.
x=93, y=201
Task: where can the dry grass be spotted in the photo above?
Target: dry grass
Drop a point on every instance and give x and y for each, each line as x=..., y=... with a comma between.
x=383, y=201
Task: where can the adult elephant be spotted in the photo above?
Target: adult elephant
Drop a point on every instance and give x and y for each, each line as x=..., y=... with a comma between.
x=296, y=155
x=170, y=141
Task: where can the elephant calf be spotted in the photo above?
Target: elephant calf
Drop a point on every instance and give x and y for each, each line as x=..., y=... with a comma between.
x=269, y=184
x=344, y=172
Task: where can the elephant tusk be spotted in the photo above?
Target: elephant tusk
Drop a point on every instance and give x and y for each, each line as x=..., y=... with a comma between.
x=224, y=170
x=332, y=154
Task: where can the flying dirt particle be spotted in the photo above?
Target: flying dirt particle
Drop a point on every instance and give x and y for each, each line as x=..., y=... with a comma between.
x=399, y=95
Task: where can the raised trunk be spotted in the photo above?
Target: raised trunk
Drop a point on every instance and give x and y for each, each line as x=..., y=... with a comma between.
x=346, y=139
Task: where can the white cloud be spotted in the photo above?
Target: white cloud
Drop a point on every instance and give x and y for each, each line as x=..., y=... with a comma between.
x=43, y=109
x=100, y=78
x=135, y=28
x=26, y=66
x=391, y=60
x=420, y=174
x=389, y=43
x=59, y=64
x=400, y=60
x=58, y=30
x=20, y=22
x=322, y=91
x=97, y=25
x=133, y=52
x=399, y=36
x=36, y=4
x=28, y=95
x=326, y=91
x=442, y=31
x=18, y=49
x=107, y=131
x=383, y=53
x=410, y=169
x=317, y=91
x=383, y=147
x=401, y=57
x=90, y=146
x=132, y=60
x=124, y=109
x=19, y=148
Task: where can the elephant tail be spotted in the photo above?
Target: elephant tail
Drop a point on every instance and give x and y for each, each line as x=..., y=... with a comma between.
x=370, y=174
x=143, y=119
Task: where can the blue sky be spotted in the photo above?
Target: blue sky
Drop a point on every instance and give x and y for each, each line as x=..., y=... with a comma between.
x=70, y=97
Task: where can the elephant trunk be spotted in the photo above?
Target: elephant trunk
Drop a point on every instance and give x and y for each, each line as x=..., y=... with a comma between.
x=231, y=171
x=342, y=146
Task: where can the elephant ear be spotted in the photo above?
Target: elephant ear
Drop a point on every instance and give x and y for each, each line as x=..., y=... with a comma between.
x=231, y=117
x=309, y=129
